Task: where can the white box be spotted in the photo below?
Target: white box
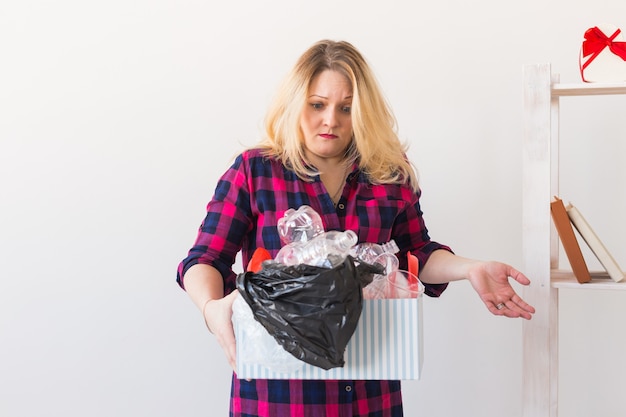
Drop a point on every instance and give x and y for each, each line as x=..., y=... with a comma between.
x=603, y=55
x=387, y=344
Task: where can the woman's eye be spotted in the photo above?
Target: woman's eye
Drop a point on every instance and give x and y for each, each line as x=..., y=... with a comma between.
x=346, y=109
x=317, y=106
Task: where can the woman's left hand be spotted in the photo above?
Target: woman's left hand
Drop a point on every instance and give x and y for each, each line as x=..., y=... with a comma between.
x=491, y=281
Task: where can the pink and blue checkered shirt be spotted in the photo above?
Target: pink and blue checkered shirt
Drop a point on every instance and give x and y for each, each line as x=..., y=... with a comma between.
x=249, y=199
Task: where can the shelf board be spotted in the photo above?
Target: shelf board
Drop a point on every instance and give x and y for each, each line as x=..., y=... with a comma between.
x=599, y=281
x=588, y=89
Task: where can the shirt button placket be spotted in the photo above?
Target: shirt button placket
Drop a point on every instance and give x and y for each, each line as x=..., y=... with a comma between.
x=347, y=399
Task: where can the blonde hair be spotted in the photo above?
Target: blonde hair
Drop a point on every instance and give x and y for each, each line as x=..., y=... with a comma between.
x=375, y=145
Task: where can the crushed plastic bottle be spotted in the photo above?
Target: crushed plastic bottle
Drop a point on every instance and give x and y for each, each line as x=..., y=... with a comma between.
x=383, y=254
x=327, y=249
x=300, y=225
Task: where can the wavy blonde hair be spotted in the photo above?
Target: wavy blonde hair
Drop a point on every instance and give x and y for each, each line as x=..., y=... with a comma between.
x=375, y=145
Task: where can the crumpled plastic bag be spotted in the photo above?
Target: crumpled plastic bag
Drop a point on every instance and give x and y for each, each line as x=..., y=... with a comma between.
x=260, y=347
x=310, y=311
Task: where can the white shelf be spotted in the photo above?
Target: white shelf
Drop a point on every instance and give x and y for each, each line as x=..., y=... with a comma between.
x=540, y=242
x=599, y=281
x=589, y=89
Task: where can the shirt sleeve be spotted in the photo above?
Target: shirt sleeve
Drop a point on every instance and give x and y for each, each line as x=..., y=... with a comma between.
x=227, y=222
x=410, y=232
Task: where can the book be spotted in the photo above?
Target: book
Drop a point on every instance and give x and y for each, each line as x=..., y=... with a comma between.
x=594, y=243
x=568, y=239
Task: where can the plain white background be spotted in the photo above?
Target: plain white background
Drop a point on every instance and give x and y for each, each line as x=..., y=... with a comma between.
x=117, y=117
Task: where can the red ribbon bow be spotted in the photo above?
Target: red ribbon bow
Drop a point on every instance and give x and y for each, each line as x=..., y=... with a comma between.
x=595, y=41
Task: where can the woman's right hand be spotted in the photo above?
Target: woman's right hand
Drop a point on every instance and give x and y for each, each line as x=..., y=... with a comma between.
x=218, y=317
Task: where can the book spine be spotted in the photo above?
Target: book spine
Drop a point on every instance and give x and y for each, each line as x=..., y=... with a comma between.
x=594, y=243
x=569, y=241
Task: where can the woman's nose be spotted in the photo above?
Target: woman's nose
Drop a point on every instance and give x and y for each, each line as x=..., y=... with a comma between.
x=330, y=117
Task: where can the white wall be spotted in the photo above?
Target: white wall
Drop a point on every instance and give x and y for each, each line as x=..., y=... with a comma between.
x=117, y=117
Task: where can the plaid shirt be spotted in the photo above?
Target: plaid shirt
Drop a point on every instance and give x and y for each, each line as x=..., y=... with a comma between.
x=249, y=199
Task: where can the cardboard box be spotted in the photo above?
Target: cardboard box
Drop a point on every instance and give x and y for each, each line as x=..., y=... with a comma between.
x=387, y=344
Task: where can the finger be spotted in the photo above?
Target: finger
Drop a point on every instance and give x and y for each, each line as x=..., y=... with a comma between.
x=519, y=276
x=221, y=322
x=230, y=344
x=232, y=357
x=226, y=339
x=515, y=310
x=231, y=349
x=511, y=308
x=522, y=304
x=496, y=308
x=516, y=313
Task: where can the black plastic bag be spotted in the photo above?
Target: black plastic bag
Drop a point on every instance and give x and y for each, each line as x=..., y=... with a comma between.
x=311, y=311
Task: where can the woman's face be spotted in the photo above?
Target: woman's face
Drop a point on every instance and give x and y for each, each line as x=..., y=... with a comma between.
x=325, y=121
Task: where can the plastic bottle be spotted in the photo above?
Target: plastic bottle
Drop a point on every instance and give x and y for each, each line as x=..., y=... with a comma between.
x=383, y=254
x=299, y=225
x=327, y=249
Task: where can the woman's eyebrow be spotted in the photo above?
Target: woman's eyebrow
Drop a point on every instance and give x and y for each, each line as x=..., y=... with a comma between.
x=324, y=97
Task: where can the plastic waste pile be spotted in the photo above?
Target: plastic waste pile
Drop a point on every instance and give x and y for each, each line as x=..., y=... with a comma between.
x=306, y=242
x=310, y=251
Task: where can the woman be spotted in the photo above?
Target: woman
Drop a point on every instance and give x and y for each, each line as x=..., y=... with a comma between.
x=331, y=143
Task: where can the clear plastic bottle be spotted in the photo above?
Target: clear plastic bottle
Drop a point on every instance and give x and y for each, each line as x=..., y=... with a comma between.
x=327, y=249
x=299, y=225
x=383, y=254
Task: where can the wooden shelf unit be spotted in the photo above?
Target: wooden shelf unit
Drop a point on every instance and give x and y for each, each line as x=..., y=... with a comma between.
x=540, y=244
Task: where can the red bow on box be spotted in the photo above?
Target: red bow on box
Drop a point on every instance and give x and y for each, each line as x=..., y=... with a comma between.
x=595, y=41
